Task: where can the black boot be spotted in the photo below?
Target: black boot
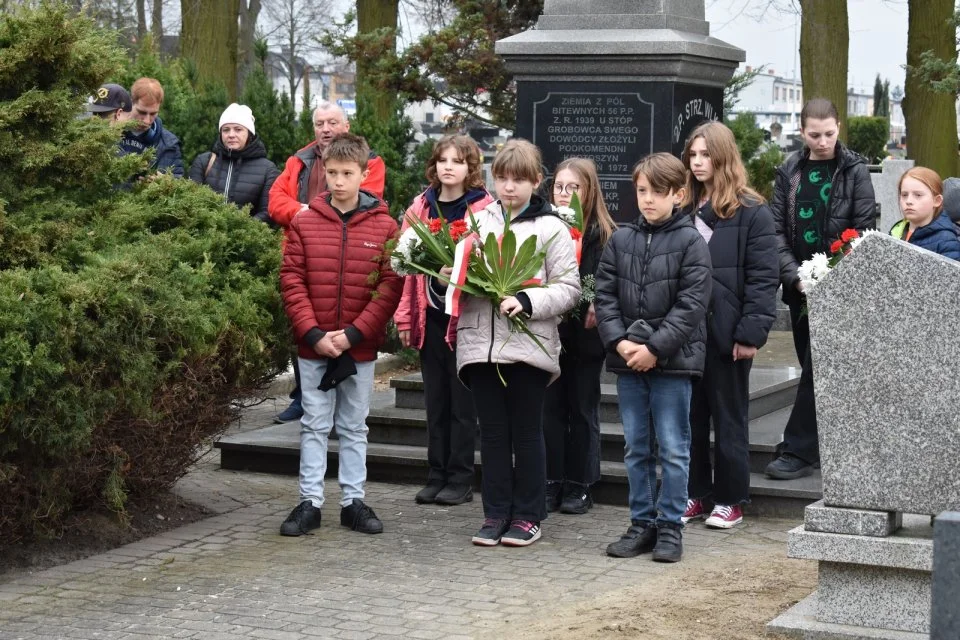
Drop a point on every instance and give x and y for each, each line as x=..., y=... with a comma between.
x=303, y=519
x=576, y=498
x=428, y=495
x=639, y=538
x=669, y=543
x=454, y=494
x=360, y=517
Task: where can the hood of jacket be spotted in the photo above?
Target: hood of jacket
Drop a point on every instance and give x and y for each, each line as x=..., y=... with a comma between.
x=940, y=222
x=254, y=149
x=368, y=204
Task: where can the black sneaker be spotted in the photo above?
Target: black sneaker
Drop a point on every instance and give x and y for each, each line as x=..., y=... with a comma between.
x=428, y=495
x=360, y=517
x=491, y=532
x=554, y=496
x=639, y=538
x=788, y=467
x=669, y=543
x=576, y=499
x=303, y=519
x=521, y=533
x=291, y=413
x=455, y=494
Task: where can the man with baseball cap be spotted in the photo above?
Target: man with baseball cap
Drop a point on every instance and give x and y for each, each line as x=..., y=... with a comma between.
x=112, y=102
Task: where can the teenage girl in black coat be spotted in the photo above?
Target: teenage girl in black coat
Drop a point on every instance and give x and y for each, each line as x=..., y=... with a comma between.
x=738, y=227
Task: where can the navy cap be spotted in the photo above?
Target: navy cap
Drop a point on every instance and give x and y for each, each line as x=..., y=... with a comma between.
x=110, y=97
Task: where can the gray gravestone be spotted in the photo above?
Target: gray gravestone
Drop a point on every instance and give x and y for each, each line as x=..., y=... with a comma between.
x=615, y=80
x=945, y=617
x=885, y=345
x=885, y=186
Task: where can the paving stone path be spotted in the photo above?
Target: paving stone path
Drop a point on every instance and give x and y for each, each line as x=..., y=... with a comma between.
x=233, y=576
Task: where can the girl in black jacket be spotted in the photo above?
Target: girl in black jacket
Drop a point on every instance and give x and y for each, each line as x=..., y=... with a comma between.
x=571, y=412
x=738, y=227
x=819, y=192
x=238, y=166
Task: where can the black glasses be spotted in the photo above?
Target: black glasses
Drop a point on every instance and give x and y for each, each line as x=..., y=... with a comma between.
x=568, y=189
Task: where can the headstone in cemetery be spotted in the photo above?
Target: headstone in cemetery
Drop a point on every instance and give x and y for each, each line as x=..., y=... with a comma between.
x=615, y=80
x=885, y=186
x=884, y=341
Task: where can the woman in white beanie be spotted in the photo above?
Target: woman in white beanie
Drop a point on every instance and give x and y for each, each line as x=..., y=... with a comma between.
x=238, y=166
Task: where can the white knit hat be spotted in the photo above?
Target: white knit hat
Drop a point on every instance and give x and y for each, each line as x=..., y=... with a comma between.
x=238, y=114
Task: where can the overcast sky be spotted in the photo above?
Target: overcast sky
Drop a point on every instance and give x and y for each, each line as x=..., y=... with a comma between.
x=878, y=37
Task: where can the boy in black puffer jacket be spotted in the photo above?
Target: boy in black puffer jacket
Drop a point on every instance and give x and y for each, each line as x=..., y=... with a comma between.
x=653, y=289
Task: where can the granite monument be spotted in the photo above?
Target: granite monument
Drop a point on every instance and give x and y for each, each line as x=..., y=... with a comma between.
x=884, y=345
x=615, y=80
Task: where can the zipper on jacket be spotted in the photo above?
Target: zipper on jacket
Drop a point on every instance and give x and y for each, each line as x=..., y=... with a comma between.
x=646, y=261
x=826, y=210
x=493, y=332
x=226, y=187
x=343, y=252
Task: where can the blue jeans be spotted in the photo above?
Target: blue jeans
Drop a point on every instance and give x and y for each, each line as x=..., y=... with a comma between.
x=345, y=406
x=665, y=399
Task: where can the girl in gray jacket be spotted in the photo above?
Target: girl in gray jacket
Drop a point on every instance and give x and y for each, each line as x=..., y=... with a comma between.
x=511, y=430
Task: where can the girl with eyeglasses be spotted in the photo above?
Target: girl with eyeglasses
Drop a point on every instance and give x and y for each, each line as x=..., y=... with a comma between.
x=571, y=412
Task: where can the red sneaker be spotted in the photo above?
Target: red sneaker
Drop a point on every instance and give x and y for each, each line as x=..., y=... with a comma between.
x=694, y=511
x=725, y=516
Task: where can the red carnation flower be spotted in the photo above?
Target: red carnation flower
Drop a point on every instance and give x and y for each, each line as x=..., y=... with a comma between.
x=575, y=233
x=849, y=234
x=435, y=226
x=836, y=246
x=457, y=229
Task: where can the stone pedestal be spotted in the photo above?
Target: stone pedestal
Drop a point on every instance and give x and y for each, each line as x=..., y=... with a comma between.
x=889, y=422
x=615, y=80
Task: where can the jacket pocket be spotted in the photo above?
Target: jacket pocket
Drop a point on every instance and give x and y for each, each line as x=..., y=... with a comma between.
x=468, y=322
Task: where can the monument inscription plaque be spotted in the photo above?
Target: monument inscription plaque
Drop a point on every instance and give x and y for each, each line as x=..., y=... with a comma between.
x=614, y=128
x=613, y=123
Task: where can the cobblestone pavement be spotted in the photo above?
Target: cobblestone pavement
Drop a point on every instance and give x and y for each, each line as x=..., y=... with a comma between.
x=233, y=576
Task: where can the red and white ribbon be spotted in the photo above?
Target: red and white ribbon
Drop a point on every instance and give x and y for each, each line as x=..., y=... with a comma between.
x=461, y=263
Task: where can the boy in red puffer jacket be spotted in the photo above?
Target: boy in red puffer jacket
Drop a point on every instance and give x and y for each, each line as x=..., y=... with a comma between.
x=339, y=292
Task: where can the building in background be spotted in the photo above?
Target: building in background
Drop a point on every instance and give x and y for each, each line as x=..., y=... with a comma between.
x=775, y=99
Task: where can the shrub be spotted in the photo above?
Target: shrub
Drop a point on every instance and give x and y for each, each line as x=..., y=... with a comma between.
x=129, y=320
x=868, y=136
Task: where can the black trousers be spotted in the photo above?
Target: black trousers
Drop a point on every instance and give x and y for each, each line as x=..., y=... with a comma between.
x=571, y=421
x=511, y=439
x=800, y=435
x=723, y=394
x=451, y=421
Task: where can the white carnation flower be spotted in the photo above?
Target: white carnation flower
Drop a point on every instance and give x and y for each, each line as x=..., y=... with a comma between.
x=813, y=270
x=567, y=214
x=402, y=256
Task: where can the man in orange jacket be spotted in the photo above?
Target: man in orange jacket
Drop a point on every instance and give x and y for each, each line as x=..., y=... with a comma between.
x=303, y=177
x=302, y=180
